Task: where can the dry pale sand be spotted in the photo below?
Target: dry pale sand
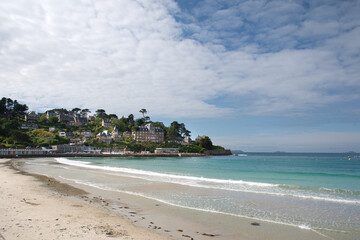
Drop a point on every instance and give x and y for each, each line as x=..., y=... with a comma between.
x=27, y=211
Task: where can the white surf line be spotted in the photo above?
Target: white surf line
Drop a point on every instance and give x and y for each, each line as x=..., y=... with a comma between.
x=240, y=190
x=304, y=227
x=167, y=177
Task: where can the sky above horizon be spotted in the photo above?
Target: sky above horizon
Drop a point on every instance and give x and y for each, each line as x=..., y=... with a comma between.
x=253, y=75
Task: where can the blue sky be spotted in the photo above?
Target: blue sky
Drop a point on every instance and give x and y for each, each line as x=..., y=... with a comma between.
x=253, y=75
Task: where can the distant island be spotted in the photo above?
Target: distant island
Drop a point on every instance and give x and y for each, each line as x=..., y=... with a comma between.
x=77, y=130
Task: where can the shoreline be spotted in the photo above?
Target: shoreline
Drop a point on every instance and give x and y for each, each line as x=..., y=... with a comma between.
x=22, y=154
x=175, y=222
x=106, y=155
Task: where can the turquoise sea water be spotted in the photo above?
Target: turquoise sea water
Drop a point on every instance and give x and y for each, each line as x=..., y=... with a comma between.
x=311, y=191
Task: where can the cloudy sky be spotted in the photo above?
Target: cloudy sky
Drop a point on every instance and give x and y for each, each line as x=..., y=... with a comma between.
x=253, y=75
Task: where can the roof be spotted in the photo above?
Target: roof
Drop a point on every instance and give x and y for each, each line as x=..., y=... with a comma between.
x=106, y=120
x=103, y=133
x=150, y=127
x=32, y=113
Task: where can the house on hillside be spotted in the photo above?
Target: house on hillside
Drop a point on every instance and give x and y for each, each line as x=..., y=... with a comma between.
x=104, y=137
x=177, y=140
x=187, y=140
x=29, y=126
x=91, y=119
x=86, y=135
x=115, y=135
x=66, y=134
x=66, y=118
x=31, y=117
x=198, y=138
x=50, y=114
x=106, y=123
x=149, y=133
x=80, y=121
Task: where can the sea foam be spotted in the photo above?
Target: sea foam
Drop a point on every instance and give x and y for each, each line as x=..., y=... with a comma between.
x=211, y=183
x=162, y=175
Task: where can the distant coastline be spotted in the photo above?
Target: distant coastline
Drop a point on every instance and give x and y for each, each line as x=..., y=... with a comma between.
x=278, y=153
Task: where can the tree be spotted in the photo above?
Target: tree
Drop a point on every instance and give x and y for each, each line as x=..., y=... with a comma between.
x=42, y=133
x=43, y=118
x=61, y=140
x=135, y=128
x=19, y=109
x=59, y=111
x=130, y=119
x=187, y=133
x=19, y=137
x=76, y=110
x=85, y=111
x=100, y=113
x=10, y=124
x=53, y=120
x=120, y=124
x=9, y=104
x=143, y=111
x=177, y=130
x=172, y=134
x=113, y=116
x=206, y=143
x=8, y=108
x=183, y=131
x=139, y=121
x=3, y=106
x=7, y=126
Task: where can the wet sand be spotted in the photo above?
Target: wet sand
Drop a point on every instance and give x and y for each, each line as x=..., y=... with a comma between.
x=79, y=211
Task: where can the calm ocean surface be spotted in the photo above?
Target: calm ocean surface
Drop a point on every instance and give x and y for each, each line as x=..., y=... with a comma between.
x=311, y=191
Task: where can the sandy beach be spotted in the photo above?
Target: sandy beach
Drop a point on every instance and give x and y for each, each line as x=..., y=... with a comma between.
x=29, y=211
x=38, y=207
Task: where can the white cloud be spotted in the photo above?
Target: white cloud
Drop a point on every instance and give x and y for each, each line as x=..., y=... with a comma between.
x=286, y=81
x=347, y=47
x=126, y=55
x=117, y=55
x=313, y=29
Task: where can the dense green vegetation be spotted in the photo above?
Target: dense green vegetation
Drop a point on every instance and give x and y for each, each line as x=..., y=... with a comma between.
x=11, y=113
x=12, y=117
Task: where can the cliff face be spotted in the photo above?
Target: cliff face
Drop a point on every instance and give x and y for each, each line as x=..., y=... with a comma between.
x=218, y=152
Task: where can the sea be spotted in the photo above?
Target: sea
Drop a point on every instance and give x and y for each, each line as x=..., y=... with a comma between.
x=317, y=191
